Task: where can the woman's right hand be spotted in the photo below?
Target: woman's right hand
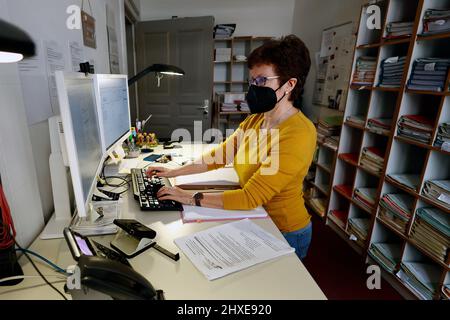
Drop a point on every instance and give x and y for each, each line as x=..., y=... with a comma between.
x=161, y=172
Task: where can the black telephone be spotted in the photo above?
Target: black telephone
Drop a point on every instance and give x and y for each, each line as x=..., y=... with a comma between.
x=110, y=276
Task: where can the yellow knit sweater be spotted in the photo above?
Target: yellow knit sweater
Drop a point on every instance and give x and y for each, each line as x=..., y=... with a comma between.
x=269, y=176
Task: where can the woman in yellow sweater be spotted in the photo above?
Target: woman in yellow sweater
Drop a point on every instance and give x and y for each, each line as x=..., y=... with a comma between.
x=271, y=150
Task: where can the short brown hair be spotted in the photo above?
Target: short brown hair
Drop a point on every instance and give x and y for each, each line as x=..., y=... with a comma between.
x=290, y=58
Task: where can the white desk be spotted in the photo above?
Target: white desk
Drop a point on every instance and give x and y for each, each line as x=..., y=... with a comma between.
x=285, y=278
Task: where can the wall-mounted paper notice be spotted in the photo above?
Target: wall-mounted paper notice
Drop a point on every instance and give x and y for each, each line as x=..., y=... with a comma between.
x=55, y=61
x=76, y=55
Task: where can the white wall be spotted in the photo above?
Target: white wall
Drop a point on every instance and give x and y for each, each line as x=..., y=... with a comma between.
x=253, y=17
x=46, y=20
x=310, y=18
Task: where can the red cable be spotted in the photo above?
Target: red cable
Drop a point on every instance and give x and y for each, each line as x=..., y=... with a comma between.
x=7, y=224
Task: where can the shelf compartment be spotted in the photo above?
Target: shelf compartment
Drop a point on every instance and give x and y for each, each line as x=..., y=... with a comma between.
x=373, y=153
x=357, y=104
x=398, y=50
x=359, y=225
x=350, y=141
x=406, y=173
x=401, y=11
x=444, y=118
x=366, y=36
x=386, y=247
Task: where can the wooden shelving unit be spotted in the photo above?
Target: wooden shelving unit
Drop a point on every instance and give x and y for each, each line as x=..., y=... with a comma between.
x=401, y=155
x=232, y=76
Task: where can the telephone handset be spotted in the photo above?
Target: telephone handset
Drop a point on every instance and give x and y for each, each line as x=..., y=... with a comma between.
x=114, y=279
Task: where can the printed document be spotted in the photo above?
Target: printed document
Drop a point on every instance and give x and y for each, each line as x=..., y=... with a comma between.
x=231, y=247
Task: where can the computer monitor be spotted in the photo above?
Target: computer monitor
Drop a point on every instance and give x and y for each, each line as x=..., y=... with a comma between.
x=82, y=134
x=113, y=108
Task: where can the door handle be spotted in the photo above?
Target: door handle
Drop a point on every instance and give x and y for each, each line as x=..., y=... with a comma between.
x=205, y=107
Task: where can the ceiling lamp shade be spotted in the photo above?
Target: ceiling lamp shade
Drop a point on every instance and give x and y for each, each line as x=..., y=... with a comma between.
x=15, y=44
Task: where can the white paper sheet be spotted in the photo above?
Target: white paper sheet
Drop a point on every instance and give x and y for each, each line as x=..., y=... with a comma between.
x=200, y=214
x=232, y=247
x=221, y=177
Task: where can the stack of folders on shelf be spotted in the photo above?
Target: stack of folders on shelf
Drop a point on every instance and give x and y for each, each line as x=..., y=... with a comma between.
x=332, y=142
x=244, y=107
x=359, y=228
x=359, y=120
x=391, y=75
x=438, y=191
x=365, y=71
x=429, y=74
x=228, y=107
x=395, y=210
x=399, y=29
x=422, y=278
x=339, y=217
x=443, y=136
x=436, y=21
x=366, y=196
x=328, y=130
x=386, y=254
x=380, y=125
x=410, y=181
x=318, y=204
x=372, y=159
x=415, y=127
x=446, y=292
x=431, y=230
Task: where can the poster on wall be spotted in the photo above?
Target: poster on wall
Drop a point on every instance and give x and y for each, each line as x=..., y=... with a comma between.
x=88, y=23
x=113, y=46
x=76, y=55
x=334, y=66
x=54, y=57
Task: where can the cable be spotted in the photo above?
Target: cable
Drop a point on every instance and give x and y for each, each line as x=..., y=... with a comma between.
x=57, y=268
x=30, y=277
x=7, y=230
x=38, y=271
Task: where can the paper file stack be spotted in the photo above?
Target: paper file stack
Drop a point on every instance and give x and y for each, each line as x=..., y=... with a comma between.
x=366, y=196
x=365, y=71
x=436, y=21
x=386, y=254
x=381, y=126
x=429, y=74
x=431, y=230
x=446, y=292
x=422, y=278
x=438, y=191
x=329, y=127
x=399, y=29
x=359, y=228
x=391, y=75
x=415, y=127
x=357, y=119
x=443, y=136
x=222, y=54
x=372, y=159
x=395, y=210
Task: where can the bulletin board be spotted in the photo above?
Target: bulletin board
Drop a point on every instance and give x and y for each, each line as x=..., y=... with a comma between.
x=334, y=65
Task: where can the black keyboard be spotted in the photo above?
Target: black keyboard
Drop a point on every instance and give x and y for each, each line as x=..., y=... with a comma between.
x=108, y=253
x=145, y=190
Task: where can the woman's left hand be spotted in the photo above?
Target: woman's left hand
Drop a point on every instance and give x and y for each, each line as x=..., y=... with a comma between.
x=176, y=194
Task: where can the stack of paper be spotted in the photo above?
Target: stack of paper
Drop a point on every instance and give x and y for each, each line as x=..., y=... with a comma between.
x=223, y=31
x=359, y=120
x=410, y=181
x=328, y=127
x=436, y=21
x=386, y=254
x=395, y=210
x=438, y=191
x=429, y=74
x=422, y=278
x=228, y=107
x=372, y=159
x=399, y=29
x=415, y=127
x=446, y=292
x=318, y=204
x=365, y=71
x=366, y=196
x=391, y=75
x=443, y=136
x=201, y=214
x=359, y=228
x=431, y=230
x=332, y=142
x=380, y=125
x=244, y=107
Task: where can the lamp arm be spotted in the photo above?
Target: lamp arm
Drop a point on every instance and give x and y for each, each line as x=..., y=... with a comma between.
x=141, y=74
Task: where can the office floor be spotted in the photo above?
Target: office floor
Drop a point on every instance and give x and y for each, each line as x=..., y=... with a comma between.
x=339, y=270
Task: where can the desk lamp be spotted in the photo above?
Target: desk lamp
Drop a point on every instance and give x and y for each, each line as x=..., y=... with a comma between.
x=160, y=70
x=15, y=44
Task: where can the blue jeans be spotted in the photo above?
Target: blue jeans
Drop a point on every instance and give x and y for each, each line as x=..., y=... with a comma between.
x=300, y=240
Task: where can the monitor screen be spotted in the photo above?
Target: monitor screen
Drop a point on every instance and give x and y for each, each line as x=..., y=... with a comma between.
x=114, y=108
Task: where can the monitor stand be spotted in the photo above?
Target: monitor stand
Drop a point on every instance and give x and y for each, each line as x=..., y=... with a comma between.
x=62, y=217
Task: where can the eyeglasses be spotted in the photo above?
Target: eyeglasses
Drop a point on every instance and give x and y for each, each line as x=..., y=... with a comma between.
x=260, y=81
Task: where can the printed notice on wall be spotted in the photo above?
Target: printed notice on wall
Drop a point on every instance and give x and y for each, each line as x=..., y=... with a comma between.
x=35, y=90
x=76, y=55
x=55, y=61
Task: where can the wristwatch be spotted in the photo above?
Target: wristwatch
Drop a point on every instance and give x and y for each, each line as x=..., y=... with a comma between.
x=198, y=196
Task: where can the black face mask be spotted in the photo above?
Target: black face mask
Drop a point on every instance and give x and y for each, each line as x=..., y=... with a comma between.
x=262, y=99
